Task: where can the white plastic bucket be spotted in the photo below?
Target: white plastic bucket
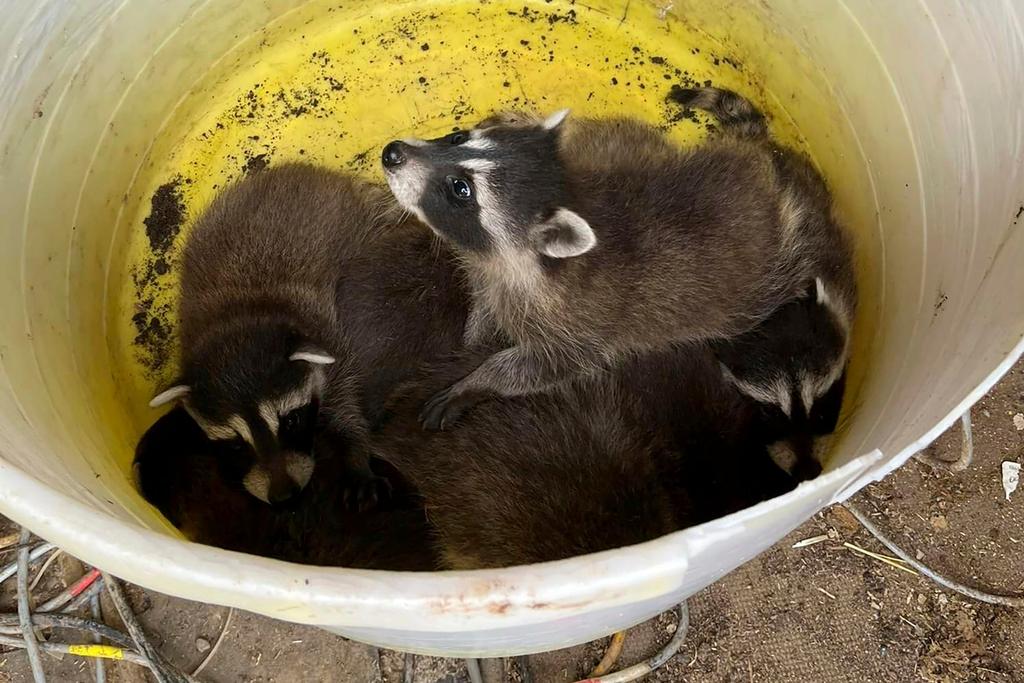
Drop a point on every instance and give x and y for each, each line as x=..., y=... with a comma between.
x=930, y=91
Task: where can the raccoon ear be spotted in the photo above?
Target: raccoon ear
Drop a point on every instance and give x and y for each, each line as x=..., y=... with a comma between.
x=312, y=354
x=727, y=374
x=168, y=395
x=555, y=120
x=820, y=293
x=564, y=235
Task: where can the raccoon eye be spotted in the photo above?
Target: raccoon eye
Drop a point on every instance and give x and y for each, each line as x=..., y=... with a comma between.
x=459, y=188
x=294, y=421
x=236, y=445
x=458, y=137
x=298, y=421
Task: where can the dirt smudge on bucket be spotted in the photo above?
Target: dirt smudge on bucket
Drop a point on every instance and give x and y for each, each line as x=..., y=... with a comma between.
x=154, y=333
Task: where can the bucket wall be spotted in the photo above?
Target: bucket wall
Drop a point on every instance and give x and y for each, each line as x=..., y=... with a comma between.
x=914, y=111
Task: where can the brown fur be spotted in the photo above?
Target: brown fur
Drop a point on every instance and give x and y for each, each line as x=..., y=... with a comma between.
x=715, y=438
x=290, y=259
x=274, y=245
x=368, y=280
x=624, y=457
x=189, y=479
x=599, y=464
x=533, y=479
x=692, y=244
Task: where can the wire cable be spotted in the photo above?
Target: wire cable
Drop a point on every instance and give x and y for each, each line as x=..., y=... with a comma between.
x=475, y=674
x=131, y=623
x=24, y=611
x=33, y=556
x=975, y=593
x=644, y=668
x=70, y=621
x=216, y=645
x=81, y=650
x=611, y=655
x=96, y=610
x=409, y=671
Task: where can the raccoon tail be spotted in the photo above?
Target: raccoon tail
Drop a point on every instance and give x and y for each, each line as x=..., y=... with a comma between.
x=736, y=114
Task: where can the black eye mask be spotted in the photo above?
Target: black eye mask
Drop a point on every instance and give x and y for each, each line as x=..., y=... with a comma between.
x=296, y=428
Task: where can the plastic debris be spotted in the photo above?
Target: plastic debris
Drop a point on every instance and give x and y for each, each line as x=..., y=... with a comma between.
x=1011, y=477
x=810, y=541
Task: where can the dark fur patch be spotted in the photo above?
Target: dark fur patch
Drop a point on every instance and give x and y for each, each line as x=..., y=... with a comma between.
x=692, y=245
x=735, y=114
x=194, y=482
x=259, y=278
x=458, y=220
x=609, y=461
x=801, y=337
x=524, y=177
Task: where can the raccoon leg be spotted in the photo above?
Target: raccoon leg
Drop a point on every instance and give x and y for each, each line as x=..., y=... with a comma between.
x=480, y=327
x=362, y=490
x=516, y=371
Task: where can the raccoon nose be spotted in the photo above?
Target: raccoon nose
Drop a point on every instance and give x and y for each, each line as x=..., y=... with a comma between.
x=393, y=155
x=282, y=492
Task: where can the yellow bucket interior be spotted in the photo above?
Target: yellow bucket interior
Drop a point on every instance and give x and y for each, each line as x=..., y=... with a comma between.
x=330, y=85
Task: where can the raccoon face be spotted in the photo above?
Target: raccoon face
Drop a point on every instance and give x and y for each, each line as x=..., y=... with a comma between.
x=496, y=188
x=259, y=395
x=793, y=364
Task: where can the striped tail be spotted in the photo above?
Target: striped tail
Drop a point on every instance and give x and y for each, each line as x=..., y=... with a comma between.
x=735, y=114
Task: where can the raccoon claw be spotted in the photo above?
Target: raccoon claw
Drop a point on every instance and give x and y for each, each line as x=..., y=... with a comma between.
x=445, y=408
x=364, y=495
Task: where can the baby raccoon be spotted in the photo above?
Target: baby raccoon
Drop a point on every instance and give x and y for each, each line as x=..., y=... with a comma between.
x=535, y=478
x=585, y=241
x=793, y=365
x=658, y=444
x=402, y=302
x=197, y=484
x=260, y=331
x=715, y=446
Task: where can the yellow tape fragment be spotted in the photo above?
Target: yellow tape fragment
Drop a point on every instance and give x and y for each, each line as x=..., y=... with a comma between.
x=103, y=651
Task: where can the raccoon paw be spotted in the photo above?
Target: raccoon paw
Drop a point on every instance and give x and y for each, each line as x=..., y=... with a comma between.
x=364, y=493
x=446, y=407
x=806, y=469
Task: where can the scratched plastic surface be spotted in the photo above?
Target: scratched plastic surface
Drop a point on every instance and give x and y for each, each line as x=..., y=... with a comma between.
x=102, y=105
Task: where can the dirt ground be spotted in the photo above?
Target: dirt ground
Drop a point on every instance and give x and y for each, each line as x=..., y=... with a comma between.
x=818, y=613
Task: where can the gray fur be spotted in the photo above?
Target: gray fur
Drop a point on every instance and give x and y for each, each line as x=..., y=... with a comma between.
x=595, y=465
x=532, y=479
x=193, y=481
x=259, y=323
x=696, y=244
x=794, y=366
x=659, y=444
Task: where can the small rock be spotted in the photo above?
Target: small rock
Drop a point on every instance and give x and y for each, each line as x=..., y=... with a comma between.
x=1018, y=422
x=842, y=518
x=939, y=522
x=203, y=645
x=670, y=628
